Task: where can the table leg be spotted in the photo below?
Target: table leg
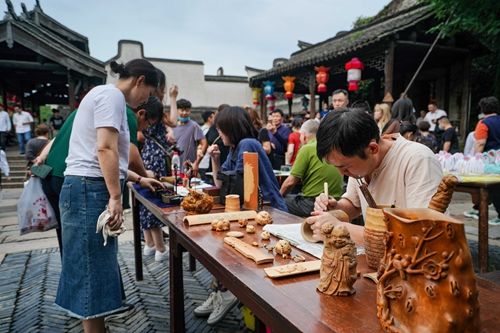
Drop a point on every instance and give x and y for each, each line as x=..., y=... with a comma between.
x=176, y=285
x=137, y=238
x=483, y=230
x=192, y=263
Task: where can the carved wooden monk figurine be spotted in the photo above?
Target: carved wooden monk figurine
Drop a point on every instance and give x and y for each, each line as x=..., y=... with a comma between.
x=338, y=264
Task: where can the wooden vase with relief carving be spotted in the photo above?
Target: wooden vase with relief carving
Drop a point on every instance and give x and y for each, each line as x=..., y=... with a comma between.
x=426, y=279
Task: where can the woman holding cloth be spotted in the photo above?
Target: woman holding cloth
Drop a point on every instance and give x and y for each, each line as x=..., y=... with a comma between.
x=90, y=286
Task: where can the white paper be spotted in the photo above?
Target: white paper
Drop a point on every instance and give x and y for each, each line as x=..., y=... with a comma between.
x=292, y=233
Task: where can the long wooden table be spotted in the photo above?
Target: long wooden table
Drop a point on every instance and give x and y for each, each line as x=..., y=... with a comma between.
x=287, y=305
x=478, y=187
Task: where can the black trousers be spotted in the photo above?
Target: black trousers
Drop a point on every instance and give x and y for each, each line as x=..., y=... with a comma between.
x=299, y=205
x=51, y=186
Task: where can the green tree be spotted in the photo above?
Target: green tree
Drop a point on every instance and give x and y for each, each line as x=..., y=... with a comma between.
x=480, y=17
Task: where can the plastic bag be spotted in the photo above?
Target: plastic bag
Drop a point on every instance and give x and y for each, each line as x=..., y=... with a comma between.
x=34, y=211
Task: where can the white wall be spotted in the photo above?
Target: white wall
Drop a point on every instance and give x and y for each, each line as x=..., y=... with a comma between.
x=190, y=78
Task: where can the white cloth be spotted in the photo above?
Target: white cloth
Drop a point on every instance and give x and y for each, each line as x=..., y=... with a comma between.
x=470, y=142
x=4, y=164
x=5, y=124
x=408, y=177
x=103, y=106
x=103, y=226
x=432, y=118
x=19, y=119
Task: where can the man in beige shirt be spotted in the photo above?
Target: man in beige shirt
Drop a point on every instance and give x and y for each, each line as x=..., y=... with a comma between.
x=397, y=171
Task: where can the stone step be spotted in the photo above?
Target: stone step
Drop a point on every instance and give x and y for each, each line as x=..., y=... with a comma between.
x=12, y=179
x=12, y=185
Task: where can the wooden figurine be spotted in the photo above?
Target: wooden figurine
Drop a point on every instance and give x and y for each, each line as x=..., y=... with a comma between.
x=338, y=264
x=441, y=199
x=283, y=248
x=263, y=218
x=426, y=282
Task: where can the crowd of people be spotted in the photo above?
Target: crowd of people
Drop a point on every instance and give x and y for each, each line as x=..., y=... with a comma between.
x=120, y=132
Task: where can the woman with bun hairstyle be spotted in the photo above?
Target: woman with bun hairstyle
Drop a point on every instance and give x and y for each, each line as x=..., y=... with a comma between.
x=90, y=286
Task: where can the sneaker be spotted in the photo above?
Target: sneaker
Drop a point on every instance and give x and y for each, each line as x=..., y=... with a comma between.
x=207, y=307
x=495, y=221
x=473, y=214
x=161, y=256
x=224, y=301
x=148, y=251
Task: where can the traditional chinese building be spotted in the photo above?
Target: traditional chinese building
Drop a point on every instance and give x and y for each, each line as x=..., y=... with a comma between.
x=391, y=46
x=43, y=61
x=203, y=91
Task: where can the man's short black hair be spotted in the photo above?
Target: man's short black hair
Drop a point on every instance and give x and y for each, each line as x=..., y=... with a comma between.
x=489, y=105
x=340, y=91
x=183, y=104
x=55, y=110
x=205, y=115
x=278, y=111
x=346, y=131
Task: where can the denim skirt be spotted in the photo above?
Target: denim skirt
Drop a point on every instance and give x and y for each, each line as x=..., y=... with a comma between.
x=90, y=285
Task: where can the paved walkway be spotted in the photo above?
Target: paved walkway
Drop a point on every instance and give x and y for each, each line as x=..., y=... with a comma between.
x=30, y=267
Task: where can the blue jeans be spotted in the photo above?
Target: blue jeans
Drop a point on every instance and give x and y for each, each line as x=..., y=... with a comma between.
x=23, y=138
x=90, y=285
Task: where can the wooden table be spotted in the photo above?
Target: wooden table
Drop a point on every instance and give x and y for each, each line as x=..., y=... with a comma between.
x=479, y=187
x=290, y=304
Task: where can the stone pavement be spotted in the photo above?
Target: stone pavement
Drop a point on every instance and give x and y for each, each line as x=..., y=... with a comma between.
x=30, y=267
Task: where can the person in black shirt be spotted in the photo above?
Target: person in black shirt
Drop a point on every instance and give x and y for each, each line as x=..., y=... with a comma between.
x=56, y=121
x=449, y=141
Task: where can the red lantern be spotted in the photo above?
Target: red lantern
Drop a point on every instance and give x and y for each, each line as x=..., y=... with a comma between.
x=271, y=103
x=289, y=85
x=354, y=68
x=322, y=77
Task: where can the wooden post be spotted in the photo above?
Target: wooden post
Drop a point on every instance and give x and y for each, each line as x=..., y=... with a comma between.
x=312, y=92
x=389, y=69
x=71, y=92
x=465, y=112
x=250, y=180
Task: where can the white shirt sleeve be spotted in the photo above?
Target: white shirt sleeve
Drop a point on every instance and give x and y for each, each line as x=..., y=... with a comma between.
x=109, y=109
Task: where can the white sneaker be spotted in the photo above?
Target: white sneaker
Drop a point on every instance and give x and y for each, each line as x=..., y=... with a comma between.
x=473, y=214
x=224, y=301
x=207, y=307
x=148, y=251
x=161, y=256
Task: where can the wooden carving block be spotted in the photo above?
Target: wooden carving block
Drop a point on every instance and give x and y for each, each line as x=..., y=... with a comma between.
x=293, y=269
x=249, y=251
x=208, y=218
x=250, y=180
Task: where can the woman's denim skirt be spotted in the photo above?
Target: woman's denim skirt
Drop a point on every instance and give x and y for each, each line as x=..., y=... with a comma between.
x=90, y=285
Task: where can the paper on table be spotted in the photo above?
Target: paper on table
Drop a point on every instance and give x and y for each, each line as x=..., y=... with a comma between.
x=292, y=233
x=181, y=190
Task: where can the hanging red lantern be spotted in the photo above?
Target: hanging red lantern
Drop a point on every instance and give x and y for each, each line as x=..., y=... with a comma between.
x=322, y=77
x=354, y=68
x=256, y=96
x=271, y=103
x=289, y=85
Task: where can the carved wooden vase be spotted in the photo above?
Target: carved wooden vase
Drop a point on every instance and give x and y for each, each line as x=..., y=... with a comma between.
x=426, y=279
x=374, y=236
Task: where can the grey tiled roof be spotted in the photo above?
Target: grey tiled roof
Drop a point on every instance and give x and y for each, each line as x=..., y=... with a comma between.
x=349, y=42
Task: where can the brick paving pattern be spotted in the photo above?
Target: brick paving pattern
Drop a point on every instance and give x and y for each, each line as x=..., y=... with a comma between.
x=28, y=287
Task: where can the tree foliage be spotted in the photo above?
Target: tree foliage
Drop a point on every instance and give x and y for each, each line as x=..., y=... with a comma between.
x=481, y=17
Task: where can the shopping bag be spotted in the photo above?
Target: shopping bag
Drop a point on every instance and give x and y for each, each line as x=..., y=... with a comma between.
x=34, y=211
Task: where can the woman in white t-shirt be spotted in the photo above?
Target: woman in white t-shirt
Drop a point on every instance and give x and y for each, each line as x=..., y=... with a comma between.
x=90, y=285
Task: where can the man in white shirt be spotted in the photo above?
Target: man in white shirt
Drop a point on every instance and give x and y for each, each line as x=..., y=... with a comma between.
x=22, y=122
x=433, y=115
x=5, y=126
x=398, y=172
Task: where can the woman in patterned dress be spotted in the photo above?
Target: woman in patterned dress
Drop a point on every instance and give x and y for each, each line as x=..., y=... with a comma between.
x=154, y=158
